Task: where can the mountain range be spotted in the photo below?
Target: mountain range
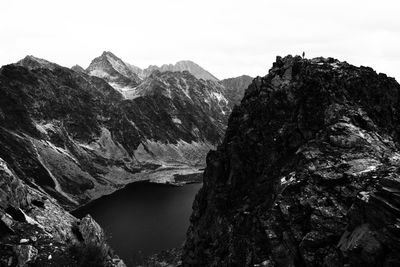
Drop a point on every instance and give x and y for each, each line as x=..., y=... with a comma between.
x=303, y=171
x=125, y=77
x=81, y=134
x=69, y=136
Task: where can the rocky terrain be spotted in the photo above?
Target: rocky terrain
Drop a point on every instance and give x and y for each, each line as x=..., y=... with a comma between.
x=36, y=231
x=307, y=174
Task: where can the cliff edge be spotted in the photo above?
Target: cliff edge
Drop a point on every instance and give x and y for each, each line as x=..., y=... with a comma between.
x=307, y=175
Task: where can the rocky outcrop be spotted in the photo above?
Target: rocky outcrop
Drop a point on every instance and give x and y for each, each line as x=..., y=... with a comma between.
x=39, y=232
x=91, y=230
x=78, y=68
x=307, y=175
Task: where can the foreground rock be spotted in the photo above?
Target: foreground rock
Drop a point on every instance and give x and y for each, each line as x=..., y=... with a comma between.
x=308, y=173
x=36, y=231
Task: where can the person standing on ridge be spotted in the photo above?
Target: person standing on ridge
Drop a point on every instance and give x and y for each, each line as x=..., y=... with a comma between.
x=304, y=54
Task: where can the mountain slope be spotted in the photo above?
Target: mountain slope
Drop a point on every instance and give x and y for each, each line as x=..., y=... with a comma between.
x=235, y=87
x=307, y=174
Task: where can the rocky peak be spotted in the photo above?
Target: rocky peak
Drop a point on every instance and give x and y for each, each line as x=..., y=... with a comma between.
x=32, y=62
x=112, y=69
x=307, y=174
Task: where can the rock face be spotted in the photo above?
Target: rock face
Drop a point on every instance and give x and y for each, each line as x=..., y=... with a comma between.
x=307, y=175
x=235, y=88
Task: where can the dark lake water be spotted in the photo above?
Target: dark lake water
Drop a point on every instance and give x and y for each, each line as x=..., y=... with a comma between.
x=143, y=218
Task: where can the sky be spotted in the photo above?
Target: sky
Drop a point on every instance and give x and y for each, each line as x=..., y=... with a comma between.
x=227, y=37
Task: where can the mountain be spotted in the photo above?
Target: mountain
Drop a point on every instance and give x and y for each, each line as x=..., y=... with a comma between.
x=67, y=137
x=78, y=138
x=139, y=72
x=115, y=72
x=307, y=174
x=126, y=78
x=32, y=62
x=235, y=87
x=184, y=65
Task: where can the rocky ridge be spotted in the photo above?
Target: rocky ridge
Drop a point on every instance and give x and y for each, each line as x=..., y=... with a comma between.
x=183, y=65
x=307, y=174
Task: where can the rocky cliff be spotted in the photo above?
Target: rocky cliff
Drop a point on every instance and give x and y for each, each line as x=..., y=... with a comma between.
x=36, y=231
x=308, y=172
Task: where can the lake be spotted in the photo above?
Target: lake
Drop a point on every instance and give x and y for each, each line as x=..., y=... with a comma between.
x=143, y=218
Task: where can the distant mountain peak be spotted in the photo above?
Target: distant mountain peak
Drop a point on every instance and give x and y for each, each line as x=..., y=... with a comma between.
x=32, y=62
x=115, y=71
x=183, y=65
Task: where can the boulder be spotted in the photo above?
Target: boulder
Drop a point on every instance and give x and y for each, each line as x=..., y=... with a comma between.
x=91, y=231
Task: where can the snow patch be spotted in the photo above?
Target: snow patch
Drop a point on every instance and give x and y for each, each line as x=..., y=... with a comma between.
x=176, y=120
x=219, y=97
x=128, y=92
x=289, y=179
x=4, y=166
x=99, y=73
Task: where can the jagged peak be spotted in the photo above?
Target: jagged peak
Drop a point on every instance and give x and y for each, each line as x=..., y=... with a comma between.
x=185, y=65
x=105, y=53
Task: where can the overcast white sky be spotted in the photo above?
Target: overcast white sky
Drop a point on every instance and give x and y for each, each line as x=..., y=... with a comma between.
x=226, y=37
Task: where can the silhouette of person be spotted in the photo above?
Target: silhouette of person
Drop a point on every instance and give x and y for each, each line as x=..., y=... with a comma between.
x=304, y=54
